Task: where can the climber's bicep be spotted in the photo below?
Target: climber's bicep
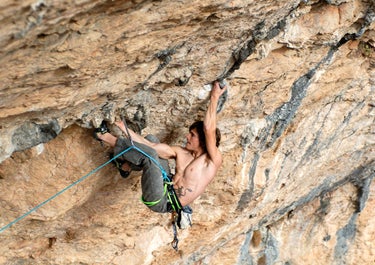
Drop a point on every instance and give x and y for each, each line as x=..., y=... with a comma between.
x=164, y=151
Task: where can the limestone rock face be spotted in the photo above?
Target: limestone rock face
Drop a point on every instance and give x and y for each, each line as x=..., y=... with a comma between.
x=298, y=132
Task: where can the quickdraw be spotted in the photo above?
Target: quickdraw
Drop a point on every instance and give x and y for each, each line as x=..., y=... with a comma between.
x=174, y=243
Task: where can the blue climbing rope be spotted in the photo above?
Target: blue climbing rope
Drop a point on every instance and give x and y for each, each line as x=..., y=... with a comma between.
x=164, y=173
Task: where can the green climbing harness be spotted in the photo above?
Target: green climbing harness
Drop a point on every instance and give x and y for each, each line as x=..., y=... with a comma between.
x=171, y=196
x=150, y=204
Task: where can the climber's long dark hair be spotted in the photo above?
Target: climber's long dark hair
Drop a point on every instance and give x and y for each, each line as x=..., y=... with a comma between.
x=198, y=125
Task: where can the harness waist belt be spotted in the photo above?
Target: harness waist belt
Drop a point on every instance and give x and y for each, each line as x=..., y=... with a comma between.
x=171, y=196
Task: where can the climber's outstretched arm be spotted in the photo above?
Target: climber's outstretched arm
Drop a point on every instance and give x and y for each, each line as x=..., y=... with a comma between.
x=210, y=124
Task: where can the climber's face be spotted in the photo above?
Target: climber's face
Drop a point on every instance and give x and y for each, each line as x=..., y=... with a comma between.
x=192, y=140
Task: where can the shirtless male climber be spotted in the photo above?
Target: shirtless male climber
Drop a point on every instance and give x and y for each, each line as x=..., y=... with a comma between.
x=196, y=164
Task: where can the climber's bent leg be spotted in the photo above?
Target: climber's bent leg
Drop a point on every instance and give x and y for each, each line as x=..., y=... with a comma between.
x=107, y=138
x=152, y=178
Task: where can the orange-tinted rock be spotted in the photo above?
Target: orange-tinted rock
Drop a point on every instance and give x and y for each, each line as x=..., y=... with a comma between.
x=297, y=129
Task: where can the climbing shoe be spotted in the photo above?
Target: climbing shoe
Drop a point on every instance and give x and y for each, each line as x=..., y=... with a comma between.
x=118, y=164
x=102, y=129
